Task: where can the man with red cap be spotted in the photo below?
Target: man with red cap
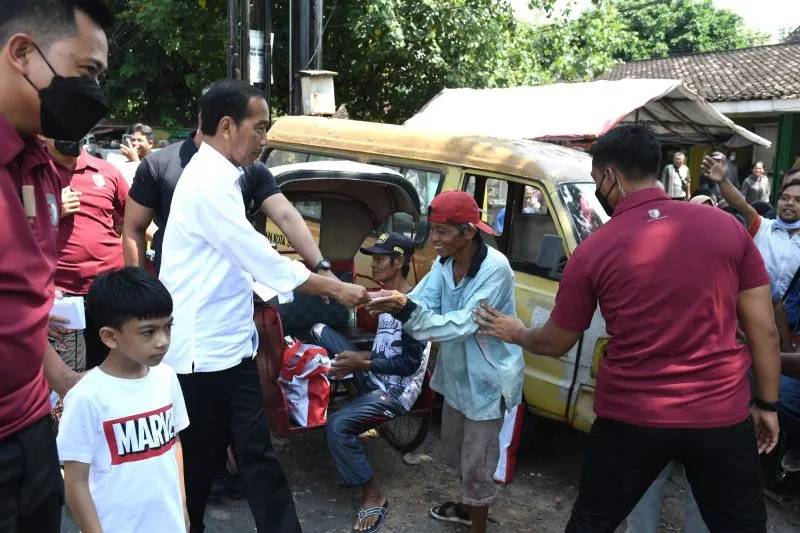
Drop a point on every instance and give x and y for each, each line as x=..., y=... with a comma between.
x=479, y=377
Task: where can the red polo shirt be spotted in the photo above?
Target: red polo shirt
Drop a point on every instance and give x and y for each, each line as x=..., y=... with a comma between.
x=27, y=265
x=87, y=242
x=667, y=276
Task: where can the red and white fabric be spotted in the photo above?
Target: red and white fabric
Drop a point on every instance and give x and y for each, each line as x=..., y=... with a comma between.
x=305, y=383
x=510, y=435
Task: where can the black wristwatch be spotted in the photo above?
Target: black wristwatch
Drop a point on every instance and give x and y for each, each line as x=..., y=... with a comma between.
x=771, y=407
x=322, y=265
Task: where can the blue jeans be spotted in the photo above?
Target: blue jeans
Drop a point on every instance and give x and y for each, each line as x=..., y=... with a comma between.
x=790, y=408
x=371, y=408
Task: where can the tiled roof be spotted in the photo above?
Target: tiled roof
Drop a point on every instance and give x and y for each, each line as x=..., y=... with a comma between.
x=793, y=37
x=760, y=73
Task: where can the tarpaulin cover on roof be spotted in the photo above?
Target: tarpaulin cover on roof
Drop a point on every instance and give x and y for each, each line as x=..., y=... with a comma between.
x=581, y=111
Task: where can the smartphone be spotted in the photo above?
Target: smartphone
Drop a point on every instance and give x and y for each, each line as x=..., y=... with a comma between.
x=126, y=138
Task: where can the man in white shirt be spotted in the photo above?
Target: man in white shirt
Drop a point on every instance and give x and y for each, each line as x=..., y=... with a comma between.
x=675, y=177
x=778, y=240
x=211, y=256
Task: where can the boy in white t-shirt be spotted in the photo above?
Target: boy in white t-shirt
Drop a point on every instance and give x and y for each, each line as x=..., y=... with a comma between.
x=118, y=438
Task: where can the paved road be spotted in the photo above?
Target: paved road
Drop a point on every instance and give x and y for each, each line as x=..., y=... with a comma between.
x=539, y=499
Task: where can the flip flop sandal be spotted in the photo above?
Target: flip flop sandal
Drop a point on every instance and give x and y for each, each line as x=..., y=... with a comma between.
x=460, y=515
x=380, y=511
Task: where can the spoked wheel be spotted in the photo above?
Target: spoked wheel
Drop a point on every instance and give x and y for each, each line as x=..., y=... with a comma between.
x=406, y=433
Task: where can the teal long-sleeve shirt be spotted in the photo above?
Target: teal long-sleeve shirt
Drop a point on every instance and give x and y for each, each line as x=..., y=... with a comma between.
x=476, y=375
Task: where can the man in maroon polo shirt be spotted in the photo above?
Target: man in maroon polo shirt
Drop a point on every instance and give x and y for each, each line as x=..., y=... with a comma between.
x=672, y=384
x=89, y=240
x=51, y=53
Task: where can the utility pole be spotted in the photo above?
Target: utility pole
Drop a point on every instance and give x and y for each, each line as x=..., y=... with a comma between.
x=305, y=31
x=244, y=42
x=233, y=33
x=317, y=36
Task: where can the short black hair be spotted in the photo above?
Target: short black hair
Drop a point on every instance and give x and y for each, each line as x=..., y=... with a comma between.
x=144, y=129
x=735, y=213
x=49, y=20
x=406, y=266
x=792, y=172
x=130, y=293
x=632, y=148
x=762, y=207
x=790, y=183
x=226, y=98
x=757, y=163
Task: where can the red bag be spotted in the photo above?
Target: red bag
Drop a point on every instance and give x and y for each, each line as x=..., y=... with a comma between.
x=305, y=383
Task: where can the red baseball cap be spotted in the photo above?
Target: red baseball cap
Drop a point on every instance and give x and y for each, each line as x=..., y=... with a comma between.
x=457, y=207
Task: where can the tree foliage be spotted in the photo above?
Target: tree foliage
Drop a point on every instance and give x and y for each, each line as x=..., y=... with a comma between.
x=161, y=54
x=392, y=56
x=397, y=54
x=631, y=30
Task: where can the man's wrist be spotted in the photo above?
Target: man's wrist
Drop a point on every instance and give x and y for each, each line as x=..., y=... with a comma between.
x=408, y=308
x=771, y=407
x=518, y=335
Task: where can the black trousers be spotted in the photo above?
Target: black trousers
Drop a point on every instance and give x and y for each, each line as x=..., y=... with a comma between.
x=622, y=460
x=31, y=486
x=228, y=404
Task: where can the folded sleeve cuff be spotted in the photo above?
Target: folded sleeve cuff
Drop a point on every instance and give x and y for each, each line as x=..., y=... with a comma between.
x=405, y=313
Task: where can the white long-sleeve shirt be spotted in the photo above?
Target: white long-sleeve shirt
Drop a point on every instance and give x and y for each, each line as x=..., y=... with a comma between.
x=211, y=255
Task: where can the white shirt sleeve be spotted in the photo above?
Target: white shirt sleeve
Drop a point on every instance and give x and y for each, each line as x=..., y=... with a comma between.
x=225, y=227
x=78, y=430
x=180, y=416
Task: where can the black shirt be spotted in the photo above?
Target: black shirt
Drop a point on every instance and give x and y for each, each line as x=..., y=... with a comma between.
x=158, y=174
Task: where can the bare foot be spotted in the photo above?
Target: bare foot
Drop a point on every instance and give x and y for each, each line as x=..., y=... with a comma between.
x=373, y=497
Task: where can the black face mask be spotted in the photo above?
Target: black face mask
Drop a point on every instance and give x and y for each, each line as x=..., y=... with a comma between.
x=603, y=199
x=68, y=148
x=70, y=107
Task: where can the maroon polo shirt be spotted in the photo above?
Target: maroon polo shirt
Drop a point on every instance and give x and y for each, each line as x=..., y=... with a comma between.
x=27, y=265
x=667, y=276
x=88, y=244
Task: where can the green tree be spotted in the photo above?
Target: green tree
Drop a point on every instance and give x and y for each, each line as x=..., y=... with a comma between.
x=683, y=26
x=161, y=54
x=628, y=30
x=394, y=55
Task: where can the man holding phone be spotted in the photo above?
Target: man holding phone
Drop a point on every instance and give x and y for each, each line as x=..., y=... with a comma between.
x=138, y=144
x=93, y=203
x=134, y=147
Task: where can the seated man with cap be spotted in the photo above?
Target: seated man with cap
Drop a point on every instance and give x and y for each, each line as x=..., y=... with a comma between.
x=388, y=380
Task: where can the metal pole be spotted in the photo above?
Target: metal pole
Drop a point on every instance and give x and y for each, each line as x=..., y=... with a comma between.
x=304, y=31
x=232, y=31
x=291, y=55
x=318, y=34
x=268, y=54
x=245, y=42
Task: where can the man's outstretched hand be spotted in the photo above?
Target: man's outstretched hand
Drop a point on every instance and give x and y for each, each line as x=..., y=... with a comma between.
x=387, y=302
x=350, y=295
x=493, y=322
x=715, y=170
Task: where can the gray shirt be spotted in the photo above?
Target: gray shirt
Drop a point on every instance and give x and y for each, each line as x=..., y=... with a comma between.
x=675, y=180
x=756, y=189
